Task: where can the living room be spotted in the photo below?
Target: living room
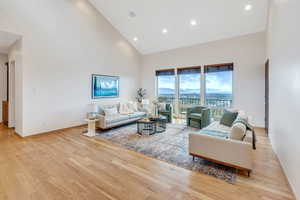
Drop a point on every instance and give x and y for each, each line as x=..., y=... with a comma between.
x=64, y=52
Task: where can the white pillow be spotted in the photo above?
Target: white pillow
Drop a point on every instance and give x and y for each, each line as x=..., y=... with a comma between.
x=162, y=106
x=238, y=131
x=111, y=111
x=133, y=107
x=124, y=109
x=242, y=116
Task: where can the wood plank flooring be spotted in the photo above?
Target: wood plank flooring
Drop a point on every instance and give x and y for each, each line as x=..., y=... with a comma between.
x=66, y=165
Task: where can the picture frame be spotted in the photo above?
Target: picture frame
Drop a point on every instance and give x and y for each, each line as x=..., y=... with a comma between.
x=105, y=86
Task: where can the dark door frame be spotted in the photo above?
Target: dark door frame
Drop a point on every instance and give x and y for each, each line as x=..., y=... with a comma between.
x=267, y=96
x=7, y=81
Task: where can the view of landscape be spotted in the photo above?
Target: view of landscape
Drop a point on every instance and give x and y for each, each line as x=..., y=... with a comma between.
x=218, y=89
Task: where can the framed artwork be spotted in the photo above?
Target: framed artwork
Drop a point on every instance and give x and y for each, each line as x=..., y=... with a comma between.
x=104, y=86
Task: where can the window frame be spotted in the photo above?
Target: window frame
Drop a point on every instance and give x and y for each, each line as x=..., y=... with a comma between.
x=232, y=86
x=202, y=82
x=201, y=77
x=156, y=82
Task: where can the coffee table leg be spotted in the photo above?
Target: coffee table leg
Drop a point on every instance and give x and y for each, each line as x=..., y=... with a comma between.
x=153, y=128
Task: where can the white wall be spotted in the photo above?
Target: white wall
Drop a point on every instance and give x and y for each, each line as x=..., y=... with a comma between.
x=12, y=92
x=283, y=51
x=247, y=53
x=63, y=43
x=16, y=86
x=3, y=81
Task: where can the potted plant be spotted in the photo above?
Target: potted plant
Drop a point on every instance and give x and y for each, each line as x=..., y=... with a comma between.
x=141, y=93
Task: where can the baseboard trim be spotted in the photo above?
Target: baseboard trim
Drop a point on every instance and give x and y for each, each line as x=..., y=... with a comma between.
x=260, y=127
x=283, y=168
x=17, y=134
x=53, y=131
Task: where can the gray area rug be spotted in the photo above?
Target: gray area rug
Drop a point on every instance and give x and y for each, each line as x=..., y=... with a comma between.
x=170, y=146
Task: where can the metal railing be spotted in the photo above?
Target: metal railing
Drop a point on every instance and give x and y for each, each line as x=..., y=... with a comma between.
x=217, y=105
x=170, y=100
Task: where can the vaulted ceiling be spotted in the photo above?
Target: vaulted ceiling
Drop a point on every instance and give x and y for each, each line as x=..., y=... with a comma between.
x=188, y=22
x=6, y=40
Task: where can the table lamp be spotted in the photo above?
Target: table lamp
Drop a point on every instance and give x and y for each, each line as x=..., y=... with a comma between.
x=145, y=102
x=92, y=111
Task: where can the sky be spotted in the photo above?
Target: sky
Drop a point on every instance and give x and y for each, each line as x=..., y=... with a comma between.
x=217, y=82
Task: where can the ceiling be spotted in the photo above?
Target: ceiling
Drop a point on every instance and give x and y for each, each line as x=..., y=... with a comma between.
x=216, y=19
x=6, y=40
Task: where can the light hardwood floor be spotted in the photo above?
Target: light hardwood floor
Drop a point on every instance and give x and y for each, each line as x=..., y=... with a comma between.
x=66, y=165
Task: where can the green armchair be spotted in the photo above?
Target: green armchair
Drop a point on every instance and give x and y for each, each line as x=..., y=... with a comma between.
x=198, y=116
x=167, y=112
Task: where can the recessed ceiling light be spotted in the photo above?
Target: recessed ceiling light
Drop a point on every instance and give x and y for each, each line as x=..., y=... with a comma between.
x=135, y=39
x=193, y=22
x=248, y=7
x=164, y=31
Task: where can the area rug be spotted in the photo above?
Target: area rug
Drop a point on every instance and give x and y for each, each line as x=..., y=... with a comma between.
x=170, y=146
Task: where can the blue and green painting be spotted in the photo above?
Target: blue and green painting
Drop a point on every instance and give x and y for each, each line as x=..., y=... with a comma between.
x=105, y=86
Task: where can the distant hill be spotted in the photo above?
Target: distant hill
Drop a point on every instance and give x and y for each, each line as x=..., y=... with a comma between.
x=169, y=91
x=166, y=91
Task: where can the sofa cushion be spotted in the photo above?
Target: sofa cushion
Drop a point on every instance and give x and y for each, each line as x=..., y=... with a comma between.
x=228, y=118
x=110, y=111
x=195, y=115
x=216, y=126
x=214, y=133
x=116, y=118
x=238, y=131
x=137, y=115
x=101, y=108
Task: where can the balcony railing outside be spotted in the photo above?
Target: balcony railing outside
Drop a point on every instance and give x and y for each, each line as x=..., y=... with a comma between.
x=170, y=100
x=217, y=105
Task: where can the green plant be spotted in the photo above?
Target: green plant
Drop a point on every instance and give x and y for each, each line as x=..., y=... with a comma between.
x=141, y=93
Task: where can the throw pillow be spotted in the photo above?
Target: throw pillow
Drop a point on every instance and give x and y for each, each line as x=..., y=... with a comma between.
x=238, y=131
x=132, y=106
x=162, y=106
x=135, y=106
x=111, y=111
x=242, y=116
x=228, y=118
x=124, y=109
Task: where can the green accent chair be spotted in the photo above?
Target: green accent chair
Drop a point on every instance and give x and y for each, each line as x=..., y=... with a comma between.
x=198, y=116
x=167, y=113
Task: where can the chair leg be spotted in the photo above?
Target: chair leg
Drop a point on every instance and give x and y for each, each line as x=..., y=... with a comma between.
x=249, y=173
x=193, y=158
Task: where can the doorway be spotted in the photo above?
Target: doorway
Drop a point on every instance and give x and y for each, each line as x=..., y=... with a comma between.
x=11, y=94
x=267, y=97
x=11, y=46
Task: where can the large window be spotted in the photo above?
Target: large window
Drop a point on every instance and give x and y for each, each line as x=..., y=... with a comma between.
x=189, y=87
x=166, y=90
x=218, y=87
x=185, y=87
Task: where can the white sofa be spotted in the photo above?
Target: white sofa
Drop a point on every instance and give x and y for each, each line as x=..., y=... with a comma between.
x=117, y=119
x=222, y=148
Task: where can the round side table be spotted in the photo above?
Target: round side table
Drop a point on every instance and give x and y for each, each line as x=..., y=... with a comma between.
x=91, y=127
